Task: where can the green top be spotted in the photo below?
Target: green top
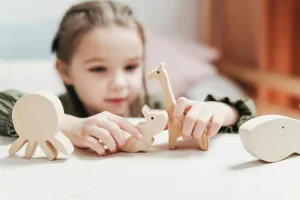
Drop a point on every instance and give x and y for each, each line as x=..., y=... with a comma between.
x=72, y=106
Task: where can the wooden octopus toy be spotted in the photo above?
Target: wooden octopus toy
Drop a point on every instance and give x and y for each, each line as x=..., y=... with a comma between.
x=156, y=121
x=271, y=138
x=175, y=129
x=37, y=119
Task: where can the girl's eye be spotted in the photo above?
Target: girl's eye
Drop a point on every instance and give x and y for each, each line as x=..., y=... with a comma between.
x=130, y=67
x=98, y=69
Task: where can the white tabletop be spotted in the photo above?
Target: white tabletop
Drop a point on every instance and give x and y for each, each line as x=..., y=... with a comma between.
x=225, y=171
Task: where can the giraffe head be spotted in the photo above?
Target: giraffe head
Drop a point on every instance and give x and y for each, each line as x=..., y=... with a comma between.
x=158, y=73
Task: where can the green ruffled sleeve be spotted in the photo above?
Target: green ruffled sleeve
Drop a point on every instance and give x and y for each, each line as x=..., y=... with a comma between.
x=7, y=101
x=244, y=106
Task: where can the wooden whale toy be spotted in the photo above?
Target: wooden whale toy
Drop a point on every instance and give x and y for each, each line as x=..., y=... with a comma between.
x=271, y=138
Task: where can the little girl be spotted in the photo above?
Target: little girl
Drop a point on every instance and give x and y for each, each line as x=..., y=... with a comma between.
x=100, y=49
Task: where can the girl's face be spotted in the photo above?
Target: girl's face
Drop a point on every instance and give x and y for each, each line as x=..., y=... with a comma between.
x=106, y=69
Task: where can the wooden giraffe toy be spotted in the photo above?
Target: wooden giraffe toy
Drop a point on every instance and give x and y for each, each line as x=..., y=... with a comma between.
x=271, y=137
x=175, y=129
x=37, y=119
x=156, y=121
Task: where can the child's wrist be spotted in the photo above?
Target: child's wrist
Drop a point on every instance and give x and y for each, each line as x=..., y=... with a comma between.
x=230, y=113
x=68, y=122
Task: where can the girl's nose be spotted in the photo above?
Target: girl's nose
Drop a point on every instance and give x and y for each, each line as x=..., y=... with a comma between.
x=118, y=81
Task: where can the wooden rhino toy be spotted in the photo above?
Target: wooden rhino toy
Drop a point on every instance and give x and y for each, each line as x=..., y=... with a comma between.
x=156, y=121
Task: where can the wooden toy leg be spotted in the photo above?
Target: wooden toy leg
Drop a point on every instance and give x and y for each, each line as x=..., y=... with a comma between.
x=16, y=146
x=174, y=133
x=62, y=144
x=49, y=150
x=203, y=141
x=30, y=149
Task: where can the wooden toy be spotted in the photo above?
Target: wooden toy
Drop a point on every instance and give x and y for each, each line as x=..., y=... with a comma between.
x=37, y=119
x=175, y=129
x=156, y=121
x=271, y=138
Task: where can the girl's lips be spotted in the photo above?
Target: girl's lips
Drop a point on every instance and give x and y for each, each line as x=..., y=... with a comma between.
x=116, y=100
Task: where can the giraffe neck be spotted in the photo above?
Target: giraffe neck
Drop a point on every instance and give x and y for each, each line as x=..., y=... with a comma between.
x=168, y=94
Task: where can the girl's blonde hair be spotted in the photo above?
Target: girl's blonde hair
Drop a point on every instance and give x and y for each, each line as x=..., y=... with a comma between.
x=80, y=19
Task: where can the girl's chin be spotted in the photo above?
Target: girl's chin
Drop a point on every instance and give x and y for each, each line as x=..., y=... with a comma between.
x=117, y=109
x=120, y=111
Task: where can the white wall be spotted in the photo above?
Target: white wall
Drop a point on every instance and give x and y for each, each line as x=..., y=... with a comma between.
x=171, y=16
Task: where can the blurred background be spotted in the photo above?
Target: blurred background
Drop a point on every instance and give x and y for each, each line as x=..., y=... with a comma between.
x=235, y=48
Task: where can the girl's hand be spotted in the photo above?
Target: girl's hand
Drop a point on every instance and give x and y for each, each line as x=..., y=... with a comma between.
x=95, y=131
x=198, y=116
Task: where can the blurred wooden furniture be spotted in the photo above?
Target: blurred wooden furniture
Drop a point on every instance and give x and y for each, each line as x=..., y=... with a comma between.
x=258, y=46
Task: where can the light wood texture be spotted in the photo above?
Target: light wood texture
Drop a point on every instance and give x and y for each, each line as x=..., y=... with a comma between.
x=212, y=27
x=264, y=61
x=160, y=74
x=251, y=75
x=265, y=107
x=277, y=42
x=205, y=17
x=262, y=34
x=37, y=119
x=204, y=141
x=156, y=121
x=248, y=74
x=271, y=137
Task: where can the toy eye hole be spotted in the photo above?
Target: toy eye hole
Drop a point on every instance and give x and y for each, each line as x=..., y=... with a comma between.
x=158, y=72
x=282, y=127
x=152, y=118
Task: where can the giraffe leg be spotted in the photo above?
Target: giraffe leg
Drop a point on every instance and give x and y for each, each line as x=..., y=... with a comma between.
x=49, y=150
x=16, y=146
x=203, y=141
x=30, y=149
x=172, y=136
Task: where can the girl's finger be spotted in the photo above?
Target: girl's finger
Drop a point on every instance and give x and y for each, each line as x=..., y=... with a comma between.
x=114, y=130
x=181, y=105
x=216, y=124
x=125, y=125
x=105, y=136
x=190, y=120
x=201, y=123
x=95, y=144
